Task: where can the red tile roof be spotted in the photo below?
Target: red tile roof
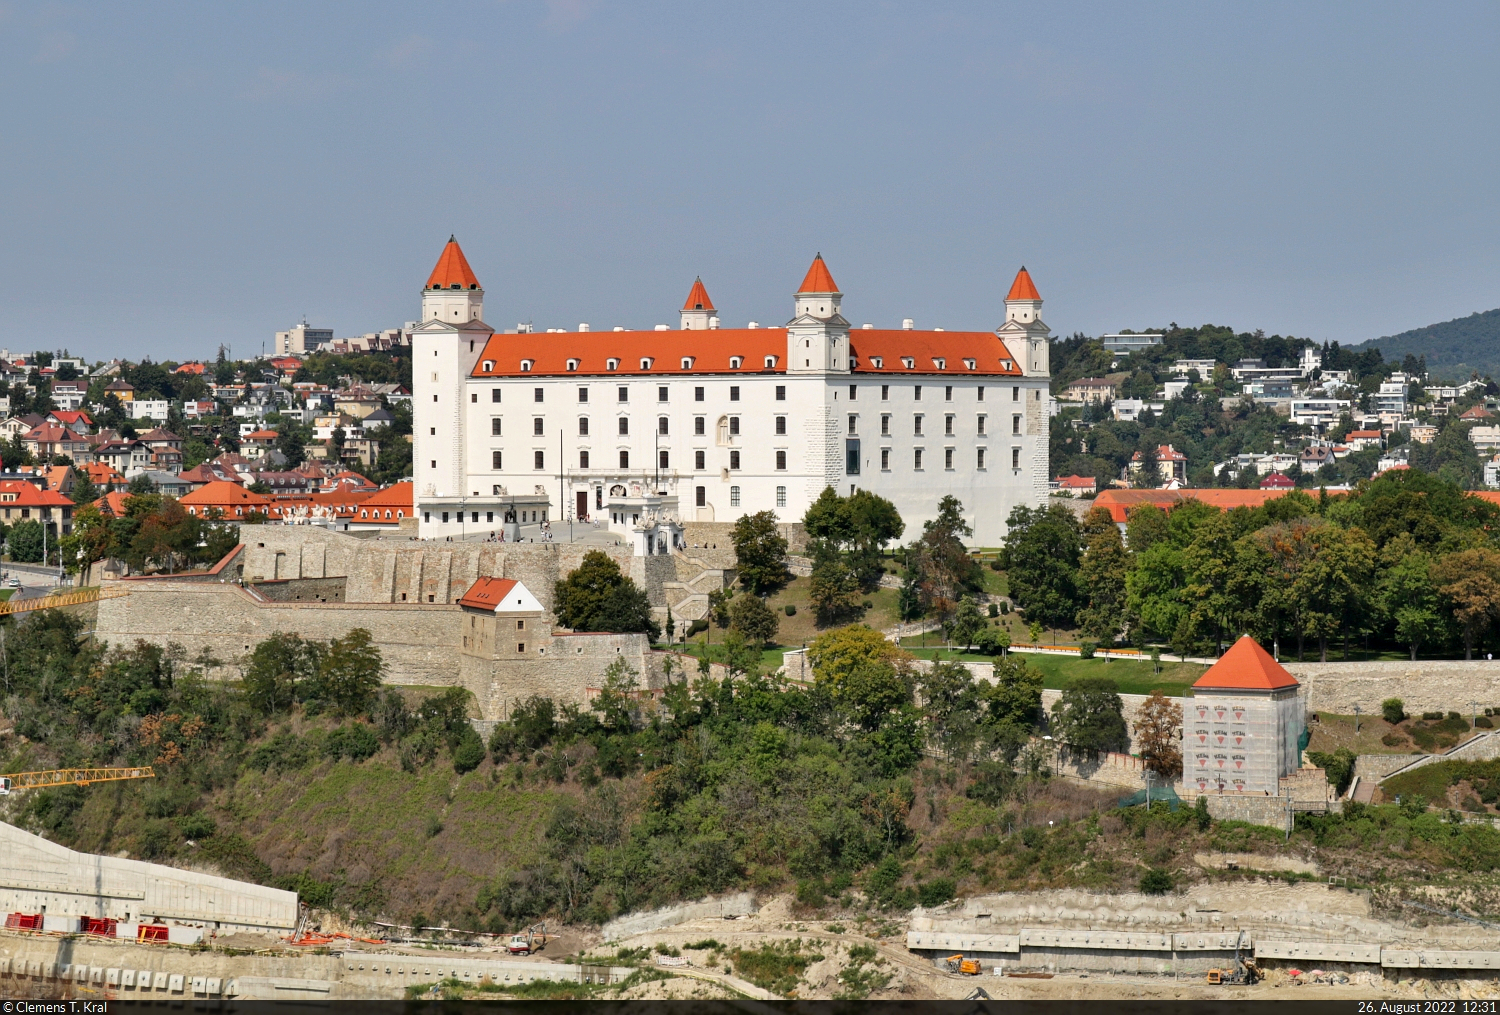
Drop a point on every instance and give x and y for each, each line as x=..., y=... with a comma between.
x=397, y=496
x=19, y=493
x=260, y=436
x=231, y=498
x=818, y=279
x=69, y=416
x=1277, y=481
x=1077, y=483
x=1023, y=288
x=452, y=270
x=189, y=368
x=1121, y=502
x=1368, y=435
x=698, y=297
x=487, y=593
x=709, y=352
x=1246, y=666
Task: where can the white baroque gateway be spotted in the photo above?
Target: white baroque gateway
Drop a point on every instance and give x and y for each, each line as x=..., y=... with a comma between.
x=711, y=423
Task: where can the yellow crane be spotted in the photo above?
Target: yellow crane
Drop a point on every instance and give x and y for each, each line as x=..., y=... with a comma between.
x=70, y=777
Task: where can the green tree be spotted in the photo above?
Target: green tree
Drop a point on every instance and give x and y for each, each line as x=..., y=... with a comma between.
x=598, y=596
x=1040, y=558
x=349, y=672
x=966, y=622
x=1469, y=582
x=834, y=592
x=760, y=554
x=277, y=669
x=751, y=617
x=626, y=610
x=25, y=541
x=1090, y=717
x=1406, y=595
x=1145, y=527
x=950, y=706
x=615, y=702
x=1012, y=705
x=1101, y=581
x=909, y=598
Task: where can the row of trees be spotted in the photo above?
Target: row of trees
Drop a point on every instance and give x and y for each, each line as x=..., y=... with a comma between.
x=156, y=532
x=1407, y=559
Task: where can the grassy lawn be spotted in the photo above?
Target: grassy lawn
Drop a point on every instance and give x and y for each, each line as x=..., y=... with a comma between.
x=1331, y=732
x=1059, y=672
x=5, y=594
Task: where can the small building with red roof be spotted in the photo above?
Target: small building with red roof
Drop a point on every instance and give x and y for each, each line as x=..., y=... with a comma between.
x=1278, y=481
x=1242, y=728
x=231, y=500
x=23, y=501
x=385, y=509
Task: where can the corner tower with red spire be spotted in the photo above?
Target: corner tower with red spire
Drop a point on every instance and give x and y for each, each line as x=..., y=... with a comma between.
x=698, y=309
x=817, y=336
x=1023, y=327
x=452, y=294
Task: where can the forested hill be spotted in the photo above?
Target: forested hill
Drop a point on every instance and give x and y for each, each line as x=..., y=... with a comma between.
x=1454, y=349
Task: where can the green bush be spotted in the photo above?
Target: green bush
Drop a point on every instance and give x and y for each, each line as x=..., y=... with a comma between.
x=994, y=610
x=936, y=892
x=1086, y=650
x=1201, y=815
x=468, y=752
x=1393, y=710
x=196, y=826
x=355, y=741
x=1484, y=722
x=1156, y=882
x=790, y=609
x=1432, y=716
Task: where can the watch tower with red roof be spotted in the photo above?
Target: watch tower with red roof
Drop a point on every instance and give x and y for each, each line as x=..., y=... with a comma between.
x=817, y=336
x=1023, y=327
x=1242, y=727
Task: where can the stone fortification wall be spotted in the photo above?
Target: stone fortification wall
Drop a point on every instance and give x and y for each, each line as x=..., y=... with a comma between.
x=302, y=590
x=1423, y=686
x=571, y=665
x=418, y=642
x=714, y=541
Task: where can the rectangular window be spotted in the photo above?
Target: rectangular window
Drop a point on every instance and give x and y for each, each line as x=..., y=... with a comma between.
x=661, y=425
x=583, y=426
x=583, y=459
x=980, y=462
x=781, y=392
x=496, y=460
x=917, y=424
x=698, y=397
x=852, y=390
x=853, y=423
x=624, y=459
x=1015, y=458
x=734, y=496
x=1015, y=394
x=981, y=392
x=661, y=393
x=445, y=518
x=781, y=496
x=885, y=392
x=701, y=496
x=536, y=394
x=520, y=646
x=885, y=426
x=537, y=425
x=948, y=425
x=734, y=426
x=698, y=460
x=661, y=460
x=475, y=517
x=474, y=397
x=489, y=516
x=781, y=426
x=734, y=392
x=781, y=461
x=624, y=393
x=698, y=426
x=494, y=394
x=539, y=460
x=495, y=426
x=917, y=459
x=917, y=392
x=885, y=459
x=624, y=426
x=851, y=458
x=1015, y=424
x=948, y=394
x=948, y=459
x=583, y=394
x=734, y=460
x=980, y=421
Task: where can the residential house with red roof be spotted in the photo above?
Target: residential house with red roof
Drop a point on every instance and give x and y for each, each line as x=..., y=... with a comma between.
x=230, y=500
x=724, y=421
x=1278, y=481
x=1077, y=485
x=74, y=419
x=52, y=439
x=22, y=501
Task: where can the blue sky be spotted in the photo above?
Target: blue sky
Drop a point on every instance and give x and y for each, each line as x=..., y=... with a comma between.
x=180, y=175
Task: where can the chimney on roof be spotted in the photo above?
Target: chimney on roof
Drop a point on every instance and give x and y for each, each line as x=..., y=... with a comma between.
x=907, y=324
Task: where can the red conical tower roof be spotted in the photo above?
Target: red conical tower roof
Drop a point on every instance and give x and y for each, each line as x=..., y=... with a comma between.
x=818, y=280
x=452, y=269
x=1023, y=288
x=698, y=297
x=1247, y=666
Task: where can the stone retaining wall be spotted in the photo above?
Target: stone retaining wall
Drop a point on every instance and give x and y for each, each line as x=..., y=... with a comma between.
x=1424, y=686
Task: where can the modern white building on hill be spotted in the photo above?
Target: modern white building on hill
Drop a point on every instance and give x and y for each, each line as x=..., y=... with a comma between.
x=707, y=423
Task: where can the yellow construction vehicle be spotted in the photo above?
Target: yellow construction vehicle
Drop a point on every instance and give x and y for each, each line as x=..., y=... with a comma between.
x=17, y=781
x=959, y=964
x=1244, y=973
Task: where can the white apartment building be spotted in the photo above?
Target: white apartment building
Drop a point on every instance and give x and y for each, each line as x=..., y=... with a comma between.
x=707, y=423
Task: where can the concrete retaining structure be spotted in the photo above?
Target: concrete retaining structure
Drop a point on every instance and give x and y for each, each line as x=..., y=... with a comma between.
x=741, y=904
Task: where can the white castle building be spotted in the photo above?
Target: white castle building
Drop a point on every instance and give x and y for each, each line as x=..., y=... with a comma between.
x=707, y=423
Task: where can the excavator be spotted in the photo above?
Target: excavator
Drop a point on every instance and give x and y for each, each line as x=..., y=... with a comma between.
x=1244, y=973
x=18, y=781
x=959, y=964
x=533, y=938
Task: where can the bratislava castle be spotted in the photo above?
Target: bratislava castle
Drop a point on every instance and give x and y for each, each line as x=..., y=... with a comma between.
x=709, y=423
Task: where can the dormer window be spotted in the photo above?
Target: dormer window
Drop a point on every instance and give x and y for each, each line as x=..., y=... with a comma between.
x=612, y=364
x=770, y=362
x=1005, y=364
x=526, y=366
x=853, y=363
x=909, y=362
x=877, y=362
x=940, y=363
x=970, y=364
x=456, y=285
x=687, y=362
x=572, y=364
x=735, y=361
x=489, y=365
x=645, y=362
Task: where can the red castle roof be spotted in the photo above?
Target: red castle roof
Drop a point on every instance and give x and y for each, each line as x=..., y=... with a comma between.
x=698, y=297
x=818, y=279
x=1023, y=288
x=1246, y=667
x=452, y=270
